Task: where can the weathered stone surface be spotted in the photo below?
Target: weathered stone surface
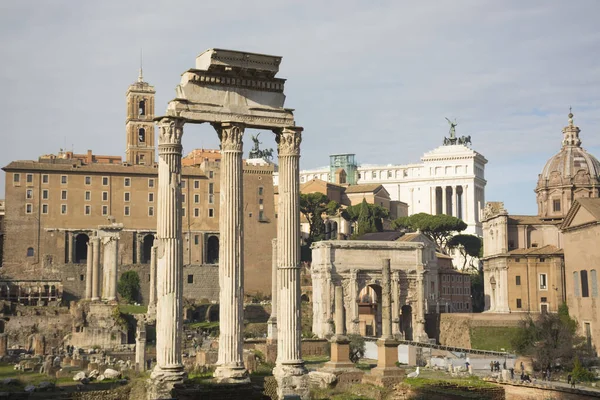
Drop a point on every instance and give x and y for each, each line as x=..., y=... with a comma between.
x=111, y=373
x=321, y=380
x=79, y=376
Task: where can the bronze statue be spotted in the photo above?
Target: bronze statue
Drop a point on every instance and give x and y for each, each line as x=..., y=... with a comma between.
x=453, y=126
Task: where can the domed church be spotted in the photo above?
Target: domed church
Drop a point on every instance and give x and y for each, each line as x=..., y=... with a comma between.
x=571, y=174
x=523, y=263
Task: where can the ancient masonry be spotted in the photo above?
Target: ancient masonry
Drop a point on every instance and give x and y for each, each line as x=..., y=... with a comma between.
x=233, y=91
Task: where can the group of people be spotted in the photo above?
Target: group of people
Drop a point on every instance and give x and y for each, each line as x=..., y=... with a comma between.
x=495, y=366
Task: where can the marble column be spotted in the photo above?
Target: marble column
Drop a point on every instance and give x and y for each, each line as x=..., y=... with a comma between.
x=386, y=297
x=138, y=247
x=95, y=268
x=340, y=345
x=230, y=363
x=353, y=323
x=272, y=322
x=140, y=347
x=420, y=334
x=396, y=304
x=71, y=252
x=88, y=271
x=454, y=202
x=109, y=277
x=152, y=291
x=465, y=198
x=169, y=264
x=444, y=201
x=289, y=371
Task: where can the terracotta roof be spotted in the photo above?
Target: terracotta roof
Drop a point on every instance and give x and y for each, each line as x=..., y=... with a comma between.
x=367, y=187
x=328, y=184
x=409, y=237
x=382, y=236
x=544, y=250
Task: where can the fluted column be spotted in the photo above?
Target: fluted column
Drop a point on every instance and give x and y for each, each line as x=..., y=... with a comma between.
x=272, y=323
x=396, y=304
x=169, y=260
x=230, y=364
x=289, y=368
x=95, y=268
x=454, y=198
x=421, y=335
x=444, y=201
x=88, y=271
x=152, y=291
x=109, y=277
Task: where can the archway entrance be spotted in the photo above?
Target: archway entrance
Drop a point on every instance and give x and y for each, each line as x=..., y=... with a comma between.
x=406, y=322
x=147, y=248
x=212, y=250
x=81, y=248
x=369, y=311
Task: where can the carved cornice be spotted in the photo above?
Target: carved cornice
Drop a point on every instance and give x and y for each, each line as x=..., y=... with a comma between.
x=288, y=141
x=170, y=131
x=230, y=135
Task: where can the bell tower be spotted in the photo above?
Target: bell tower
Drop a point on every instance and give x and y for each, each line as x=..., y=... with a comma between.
x=139, y=125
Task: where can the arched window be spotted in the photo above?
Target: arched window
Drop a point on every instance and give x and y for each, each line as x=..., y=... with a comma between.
x=30, y=252
x=585, y=291
x=147, y=248
x=212, y=250
x=81, y=248
x=142, y=109
x=142, y=135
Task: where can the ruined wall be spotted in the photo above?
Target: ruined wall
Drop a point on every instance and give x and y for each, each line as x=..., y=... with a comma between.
x=528, y=392
x=52, y=322
x=455, y=328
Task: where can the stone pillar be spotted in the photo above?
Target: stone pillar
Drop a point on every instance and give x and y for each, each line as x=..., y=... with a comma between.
x=444, y=201
x=152, y=291
x=386, y=297
x=88, y=271
x=230, y=364
x=71, y=251
x=138, y=247
x=169, y=270
x=289, y=371
x=95, y=268
x=140, y=347
x=396, y=304
x=3, y=344
x=420, y=334
x=272, y=323
x=109, y=277
x=465, y=200
x=340, y=345
x=454, y=202
x=353, y=303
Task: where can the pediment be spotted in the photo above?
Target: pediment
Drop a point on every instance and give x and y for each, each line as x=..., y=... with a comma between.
x=581, y=217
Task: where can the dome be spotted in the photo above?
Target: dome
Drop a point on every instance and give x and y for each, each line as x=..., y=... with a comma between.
x=570, y=174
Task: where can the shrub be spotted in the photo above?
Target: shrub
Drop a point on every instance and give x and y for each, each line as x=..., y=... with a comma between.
x=581, y=374
x=129, y=286
x=357, y=347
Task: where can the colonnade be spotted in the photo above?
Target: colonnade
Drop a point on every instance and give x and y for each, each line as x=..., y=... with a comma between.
x=450, y=200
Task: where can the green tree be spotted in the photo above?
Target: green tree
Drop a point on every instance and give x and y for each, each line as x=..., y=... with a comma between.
x=313, y=206
x=467, y=246
x=129, y=286
x=372, y=217
x=439, y=228
x=477, y=291
x=357, y=347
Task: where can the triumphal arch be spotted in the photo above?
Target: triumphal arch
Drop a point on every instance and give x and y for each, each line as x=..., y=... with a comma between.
x=232, y=91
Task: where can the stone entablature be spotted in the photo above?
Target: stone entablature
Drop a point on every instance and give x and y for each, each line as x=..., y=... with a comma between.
x=357, y=264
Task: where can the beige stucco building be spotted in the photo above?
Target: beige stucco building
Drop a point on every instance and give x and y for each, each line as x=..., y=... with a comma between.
x=581, y=231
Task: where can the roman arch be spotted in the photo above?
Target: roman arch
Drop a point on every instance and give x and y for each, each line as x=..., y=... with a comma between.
x=232, y=91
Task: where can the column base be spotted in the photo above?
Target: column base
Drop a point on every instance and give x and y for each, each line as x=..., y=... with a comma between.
x=95, y=299
x=162, y=380
x=272, y=329
x=340, y=355
x=292, y=380
x=231, y=374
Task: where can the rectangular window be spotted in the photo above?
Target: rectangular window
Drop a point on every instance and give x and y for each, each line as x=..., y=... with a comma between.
x=183, y=212
x=261, y=215
x=374, y=175
x=196, y=184
x=196, y=239
x=45, y=178
x=63, y=209
x=28, y=208
x=44, y=208
x=517, y=260
x=183, y=184
x=126, y=211
x=104, y=196
x=88, y=195
x=88, y=180
x=196, y=212
x=16, y=178
x=211, y=212
x=29, y=194
x=127, y=182
x=543, y=281
x=576, y=284
x=585, y=290
x=518, y=303
x=211, y=199
x=105, y=181
x=150, y=211
x=45, y=194
x=556, y=205
x=260, y=201
x=190, y=278
x=594, y=279
x=211, y=188
x=104, y=210
x=544, y=300
x=29, y=178
x=150, y=197
x=518, y=280
x=63, y=179
x=127, y=196
x=150, y=182
x=183, y=198
x=87, y=210
x=63, y=194
x=261, y=190
x=196, y=198
x=211, y=174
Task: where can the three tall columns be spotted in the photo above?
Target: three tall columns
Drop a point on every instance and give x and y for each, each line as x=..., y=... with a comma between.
x=230, y=364
x=169, y=260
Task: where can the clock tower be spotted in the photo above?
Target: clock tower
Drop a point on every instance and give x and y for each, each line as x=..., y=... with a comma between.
x=139, y=124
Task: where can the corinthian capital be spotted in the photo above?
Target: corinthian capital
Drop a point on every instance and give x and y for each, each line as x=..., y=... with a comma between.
x=230, y=134
x=170, y=130
x=288, y=141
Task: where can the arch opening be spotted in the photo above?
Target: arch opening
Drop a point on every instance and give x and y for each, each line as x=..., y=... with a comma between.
x=212, y=250
x=81, y=248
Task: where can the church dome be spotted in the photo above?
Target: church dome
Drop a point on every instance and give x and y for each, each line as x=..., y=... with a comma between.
x=570, y=174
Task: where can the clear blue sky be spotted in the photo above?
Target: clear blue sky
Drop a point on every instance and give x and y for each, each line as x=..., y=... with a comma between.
x=372, y=78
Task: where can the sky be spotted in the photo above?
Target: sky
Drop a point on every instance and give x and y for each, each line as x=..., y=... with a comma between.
x=372, y=78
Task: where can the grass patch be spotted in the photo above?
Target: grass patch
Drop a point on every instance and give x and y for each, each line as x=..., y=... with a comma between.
x=356, y=392
x=471, y=381
x=493, y=338
x=132, y=309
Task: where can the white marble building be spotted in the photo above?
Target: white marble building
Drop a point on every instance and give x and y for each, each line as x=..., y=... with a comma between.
x=449, y=180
